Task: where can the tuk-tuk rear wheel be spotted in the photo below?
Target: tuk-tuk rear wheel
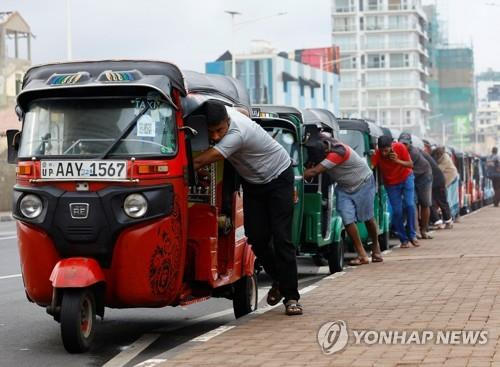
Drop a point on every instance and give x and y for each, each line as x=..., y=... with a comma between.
x=383, y=241
x=245, y=296
x=336, y=256
x=78, y=314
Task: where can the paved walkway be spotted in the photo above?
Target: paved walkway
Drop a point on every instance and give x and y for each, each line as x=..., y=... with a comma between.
x=451, y=283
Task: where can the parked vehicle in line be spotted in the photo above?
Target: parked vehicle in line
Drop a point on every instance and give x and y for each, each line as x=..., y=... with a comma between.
x=317, y=228
x=487, y=184
x=362, y=135
x=109, y=210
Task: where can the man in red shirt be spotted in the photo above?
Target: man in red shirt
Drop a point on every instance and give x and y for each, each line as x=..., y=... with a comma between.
x=395, y=164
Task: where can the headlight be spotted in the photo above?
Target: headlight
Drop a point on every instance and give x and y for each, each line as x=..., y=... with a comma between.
x=31, y=206
x=135, y=205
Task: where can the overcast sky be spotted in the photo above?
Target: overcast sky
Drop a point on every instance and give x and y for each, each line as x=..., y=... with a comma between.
x=191, y=32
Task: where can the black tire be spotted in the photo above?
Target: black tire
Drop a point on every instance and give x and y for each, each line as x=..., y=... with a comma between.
x=383, y=241
x=245, y=296
x=336, y=257
x=77, y=319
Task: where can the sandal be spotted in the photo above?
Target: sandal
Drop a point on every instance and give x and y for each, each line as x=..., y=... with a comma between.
x=359, y=261
x=292, y=308
x=274, y=295
x=377, y=258
x=426, y=236
x=415, y=243
x=405, y=245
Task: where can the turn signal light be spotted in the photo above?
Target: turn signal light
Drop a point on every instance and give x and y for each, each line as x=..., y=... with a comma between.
x=145, y=169
x=24, y=170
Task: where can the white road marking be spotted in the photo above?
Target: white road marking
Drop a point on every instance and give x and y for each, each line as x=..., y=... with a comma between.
x=335, y=275
x=131, y=351
x=151, y=362
x=8, y=238
x=11, y=276
x=213, y=333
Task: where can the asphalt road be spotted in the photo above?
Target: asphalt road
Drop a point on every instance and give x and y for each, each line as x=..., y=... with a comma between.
x=30, y=337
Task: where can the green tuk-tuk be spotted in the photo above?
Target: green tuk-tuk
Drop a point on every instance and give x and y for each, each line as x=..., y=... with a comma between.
x=362, y=135
x=317, y=227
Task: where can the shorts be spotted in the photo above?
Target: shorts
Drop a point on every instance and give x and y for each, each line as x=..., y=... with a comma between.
x=423, y=190
x=357, y=206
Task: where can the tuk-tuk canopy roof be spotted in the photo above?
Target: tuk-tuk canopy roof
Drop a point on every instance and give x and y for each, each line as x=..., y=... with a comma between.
x=202, y=87
x=279, y=110
x=360, y=125
x=321, y=118
x=52, y=78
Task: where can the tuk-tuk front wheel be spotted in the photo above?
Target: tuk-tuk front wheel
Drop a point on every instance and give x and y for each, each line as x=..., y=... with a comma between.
x=336, y=257
x=383, y=241
x=245, y=296
x=77, y=319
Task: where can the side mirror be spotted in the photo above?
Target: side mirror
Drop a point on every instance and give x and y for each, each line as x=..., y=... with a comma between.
x=13, y=139
x=19, y=113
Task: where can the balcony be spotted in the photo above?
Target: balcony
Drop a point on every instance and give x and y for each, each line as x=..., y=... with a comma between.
x=344, y=28
x=345, y=9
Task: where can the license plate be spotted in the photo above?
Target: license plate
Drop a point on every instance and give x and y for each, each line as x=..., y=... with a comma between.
x=84, y=170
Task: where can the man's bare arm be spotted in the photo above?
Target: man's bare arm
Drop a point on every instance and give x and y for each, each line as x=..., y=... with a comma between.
x=314, y=171
x=210, y=156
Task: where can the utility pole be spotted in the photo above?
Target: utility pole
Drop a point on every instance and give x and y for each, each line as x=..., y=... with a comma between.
x=69, y=53
x=233, y=14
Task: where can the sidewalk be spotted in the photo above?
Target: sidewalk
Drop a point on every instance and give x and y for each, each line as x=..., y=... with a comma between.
x=450, y=283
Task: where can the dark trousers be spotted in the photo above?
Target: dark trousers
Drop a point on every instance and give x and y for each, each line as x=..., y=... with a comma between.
x=496, y=187
x=268, y=210
x=440, y=200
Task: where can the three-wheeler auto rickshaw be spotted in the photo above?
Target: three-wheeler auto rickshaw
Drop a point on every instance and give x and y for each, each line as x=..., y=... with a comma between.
x=487, y=184
x=362, y=136
x=317, y=227
x=109, y=210
x=462, y=162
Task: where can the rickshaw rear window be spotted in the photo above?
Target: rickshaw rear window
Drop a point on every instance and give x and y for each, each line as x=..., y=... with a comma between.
x=87, y=127
x=354, y=139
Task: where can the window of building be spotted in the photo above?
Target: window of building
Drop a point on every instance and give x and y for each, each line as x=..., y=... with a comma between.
x=374, y=5
x=331, y=93
x=343, y=6
x=285, y=87
x=301, y=89
x=374, y=23
x=376, y=61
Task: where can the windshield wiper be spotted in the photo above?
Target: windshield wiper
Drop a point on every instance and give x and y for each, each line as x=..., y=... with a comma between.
x=125, y=132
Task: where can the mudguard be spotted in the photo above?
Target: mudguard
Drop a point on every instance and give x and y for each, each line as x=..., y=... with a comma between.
x=248, y=261
x=76, y=272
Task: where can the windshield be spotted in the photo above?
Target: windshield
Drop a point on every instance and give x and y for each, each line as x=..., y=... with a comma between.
x=90, y=126
x=354, y=139
x=286, y=140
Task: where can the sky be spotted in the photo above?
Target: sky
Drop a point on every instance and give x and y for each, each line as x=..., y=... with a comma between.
x=192, y=32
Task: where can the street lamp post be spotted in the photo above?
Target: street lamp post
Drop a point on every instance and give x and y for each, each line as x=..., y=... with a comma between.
x=233, y=14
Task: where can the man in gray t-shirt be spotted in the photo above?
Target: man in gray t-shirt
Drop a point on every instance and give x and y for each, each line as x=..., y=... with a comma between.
x=355, y=193
x=268, y=186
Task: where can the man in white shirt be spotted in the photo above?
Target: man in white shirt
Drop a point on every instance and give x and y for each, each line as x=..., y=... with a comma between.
x=268, y=186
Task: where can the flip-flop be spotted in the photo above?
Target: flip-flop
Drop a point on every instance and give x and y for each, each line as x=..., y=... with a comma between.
x=292, y=308
x=404, y=245
x=358, y=261
x=415, y=243
x=377, y=258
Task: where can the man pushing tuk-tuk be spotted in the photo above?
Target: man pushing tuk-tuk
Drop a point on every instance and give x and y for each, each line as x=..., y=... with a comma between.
x=268, y=186
x=355, y=193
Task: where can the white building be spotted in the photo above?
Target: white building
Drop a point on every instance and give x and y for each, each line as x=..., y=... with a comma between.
x=384, y=61
x=15, y=55
x=488, y=124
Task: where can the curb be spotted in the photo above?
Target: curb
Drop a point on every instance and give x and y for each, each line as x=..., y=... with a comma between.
x=6, y=217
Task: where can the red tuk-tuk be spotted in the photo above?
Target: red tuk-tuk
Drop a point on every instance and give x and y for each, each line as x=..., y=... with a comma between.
x=109, y=210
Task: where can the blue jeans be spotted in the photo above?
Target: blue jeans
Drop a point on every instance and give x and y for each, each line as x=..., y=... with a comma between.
x=405, y=191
